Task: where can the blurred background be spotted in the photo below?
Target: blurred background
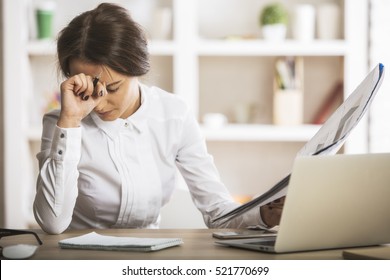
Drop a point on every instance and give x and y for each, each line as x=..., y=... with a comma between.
x=261, y=76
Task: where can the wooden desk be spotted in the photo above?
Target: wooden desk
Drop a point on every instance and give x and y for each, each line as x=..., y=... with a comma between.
x=198, y=245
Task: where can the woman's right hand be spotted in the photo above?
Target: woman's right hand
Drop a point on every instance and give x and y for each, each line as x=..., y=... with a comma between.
x=78, y=99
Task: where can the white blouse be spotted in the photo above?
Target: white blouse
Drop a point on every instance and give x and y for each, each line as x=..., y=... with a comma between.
x=120, y=173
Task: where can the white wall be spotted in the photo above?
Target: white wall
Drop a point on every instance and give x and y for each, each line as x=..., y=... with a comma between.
x=1, y=119
x=379, y=52
x=15, y=150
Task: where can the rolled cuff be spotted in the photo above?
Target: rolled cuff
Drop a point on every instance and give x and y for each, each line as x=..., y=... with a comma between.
x=66, y=144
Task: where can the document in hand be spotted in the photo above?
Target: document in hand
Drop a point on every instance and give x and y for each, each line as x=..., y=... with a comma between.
x=95, y=241
x=328, y=140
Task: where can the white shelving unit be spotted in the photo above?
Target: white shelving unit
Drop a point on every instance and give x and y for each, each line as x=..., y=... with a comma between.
x=260, y=133
x=261, y=48
x=210, y=73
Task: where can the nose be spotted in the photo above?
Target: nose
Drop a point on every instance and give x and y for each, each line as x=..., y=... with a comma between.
x=102, y=104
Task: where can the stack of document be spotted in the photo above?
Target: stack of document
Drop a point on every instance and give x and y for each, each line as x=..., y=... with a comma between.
x=95, y=241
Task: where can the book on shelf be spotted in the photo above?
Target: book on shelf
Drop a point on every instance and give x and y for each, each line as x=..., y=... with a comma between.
x=333, y=100
x=327, y=141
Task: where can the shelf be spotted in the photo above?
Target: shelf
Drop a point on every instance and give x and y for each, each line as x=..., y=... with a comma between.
x=226, y=48
x=265, y=48
x=48, y=47
x=253, y=132
x=41, y=47
x=159, y=47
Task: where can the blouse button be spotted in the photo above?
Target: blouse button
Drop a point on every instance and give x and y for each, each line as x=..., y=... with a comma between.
x=126, y=124
x=60, y=152
x=62, y=135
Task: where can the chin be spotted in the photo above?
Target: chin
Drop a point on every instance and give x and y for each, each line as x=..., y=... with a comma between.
x=108, y=119
x=108, y=116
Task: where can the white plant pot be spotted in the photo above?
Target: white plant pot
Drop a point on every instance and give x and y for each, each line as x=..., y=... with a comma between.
x=274, y=32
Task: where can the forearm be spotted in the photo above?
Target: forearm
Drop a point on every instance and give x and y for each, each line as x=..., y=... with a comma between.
x=249, y=218
x=208, y=192
x=56, y=196
x=57, y=190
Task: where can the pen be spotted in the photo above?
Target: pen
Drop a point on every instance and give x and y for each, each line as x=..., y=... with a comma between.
x=95, y=81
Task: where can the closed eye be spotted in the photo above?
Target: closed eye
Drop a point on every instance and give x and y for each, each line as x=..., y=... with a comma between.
x=114, y=87
x=112, y=90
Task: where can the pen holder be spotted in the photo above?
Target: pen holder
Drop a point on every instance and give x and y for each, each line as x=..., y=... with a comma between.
x=288, y=107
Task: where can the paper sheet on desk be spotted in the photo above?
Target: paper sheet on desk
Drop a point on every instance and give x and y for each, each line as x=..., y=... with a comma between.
x=328, y=140
x=95, y=241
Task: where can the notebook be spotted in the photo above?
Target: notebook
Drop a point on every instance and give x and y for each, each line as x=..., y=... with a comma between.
x=334, y=201
x=95, y=241
x=371, y=253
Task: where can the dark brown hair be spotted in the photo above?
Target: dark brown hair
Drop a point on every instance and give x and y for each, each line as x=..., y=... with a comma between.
x=106, y=35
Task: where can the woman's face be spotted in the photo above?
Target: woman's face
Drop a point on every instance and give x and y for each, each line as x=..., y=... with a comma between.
x=123, y=96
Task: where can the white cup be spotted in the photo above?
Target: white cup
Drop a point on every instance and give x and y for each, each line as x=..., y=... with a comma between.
x=328, y=21
x=304, y=22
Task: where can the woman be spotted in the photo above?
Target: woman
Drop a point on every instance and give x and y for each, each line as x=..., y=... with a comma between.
x=109, y=155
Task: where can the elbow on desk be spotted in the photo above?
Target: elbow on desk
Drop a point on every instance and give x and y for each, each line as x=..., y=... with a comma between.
x=49, y=229
x=213, y=225
x=53, y=225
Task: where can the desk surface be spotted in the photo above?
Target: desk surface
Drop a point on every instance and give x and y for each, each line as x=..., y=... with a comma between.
x=198, y=244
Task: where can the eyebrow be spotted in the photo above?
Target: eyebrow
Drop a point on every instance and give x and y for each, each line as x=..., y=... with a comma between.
x=114, y=83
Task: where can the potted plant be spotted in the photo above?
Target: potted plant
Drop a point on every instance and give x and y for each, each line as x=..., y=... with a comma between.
x=273, y=21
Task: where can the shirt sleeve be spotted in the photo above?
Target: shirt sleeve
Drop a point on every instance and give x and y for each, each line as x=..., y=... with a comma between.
x=209, y=194
x=56, y=191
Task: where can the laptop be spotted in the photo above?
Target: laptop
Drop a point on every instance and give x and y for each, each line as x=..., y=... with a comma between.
x=333, y=201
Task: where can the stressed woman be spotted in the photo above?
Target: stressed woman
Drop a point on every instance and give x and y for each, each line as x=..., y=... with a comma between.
x=109, y=156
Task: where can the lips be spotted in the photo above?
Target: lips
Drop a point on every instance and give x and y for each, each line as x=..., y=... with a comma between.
x=103, y=113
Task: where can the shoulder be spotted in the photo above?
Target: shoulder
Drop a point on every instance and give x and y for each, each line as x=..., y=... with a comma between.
x=165, y=104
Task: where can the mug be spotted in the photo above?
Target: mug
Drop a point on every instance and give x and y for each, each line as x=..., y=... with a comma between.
x=45, y=18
